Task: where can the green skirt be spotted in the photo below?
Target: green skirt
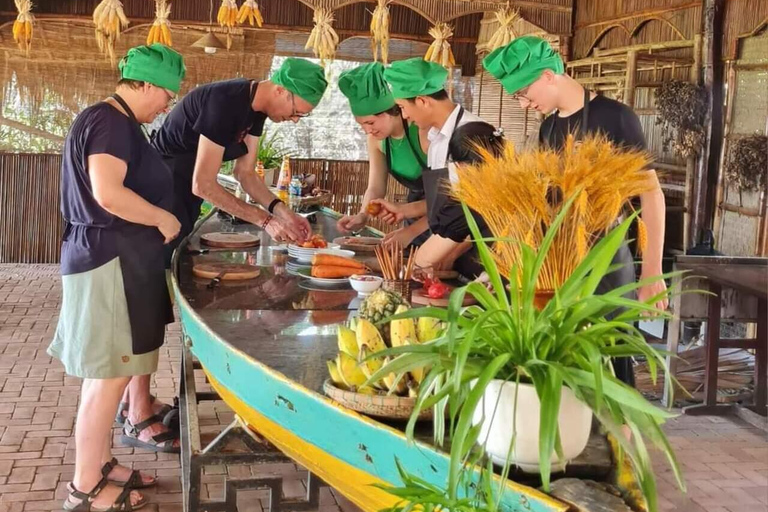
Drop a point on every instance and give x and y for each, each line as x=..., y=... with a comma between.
x=93, y=336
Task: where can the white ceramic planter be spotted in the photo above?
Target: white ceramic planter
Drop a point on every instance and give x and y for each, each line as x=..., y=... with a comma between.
x=575, y=422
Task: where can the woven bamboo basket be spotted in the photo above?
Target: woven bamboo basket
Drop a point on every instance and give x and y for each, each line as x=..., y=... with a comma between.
x=401, y=287
x=381, y=406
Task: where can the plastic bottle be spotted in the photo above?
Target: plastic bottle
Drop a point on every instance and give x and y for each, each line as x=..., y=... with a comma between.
x=294, y=191
x=284, y=180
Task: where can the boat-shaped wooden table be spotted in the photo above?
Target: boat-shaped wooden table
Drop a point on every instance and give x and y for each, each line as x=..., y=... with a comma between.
x=263, y=344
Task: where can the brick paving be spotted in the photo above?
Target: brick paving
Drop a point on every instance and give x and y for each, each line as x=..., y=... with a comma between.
x=725, y=461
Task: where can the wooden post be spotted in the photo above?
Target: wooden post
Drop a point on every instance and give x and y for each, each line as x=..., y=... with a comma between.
x=690, y=164
x=629, y=82
x=705, y=178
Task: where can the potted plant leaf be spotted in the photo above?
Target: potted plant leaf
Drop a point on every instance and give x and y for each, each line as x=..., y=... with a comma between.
x=513, y=349
x=271, y=153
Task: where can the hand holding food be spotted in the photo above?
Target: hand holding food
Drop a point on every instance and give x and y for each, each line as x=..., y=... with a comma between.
x=391, y=213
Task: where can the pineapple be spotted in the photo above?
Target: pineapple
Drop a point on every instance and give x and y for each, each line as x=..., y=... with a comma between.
x=380, y=305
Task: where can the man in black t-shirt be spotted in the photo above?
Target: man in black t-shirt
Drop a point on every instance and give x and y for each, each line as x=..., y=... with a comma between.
x=223, y=121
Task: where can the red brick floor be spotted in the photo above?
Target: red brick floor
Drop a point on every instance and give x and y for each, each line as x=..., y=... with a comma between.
x=725, y=461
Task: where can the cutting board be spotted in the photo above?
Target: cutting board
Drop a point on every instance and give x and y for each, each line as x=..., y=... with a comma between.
x=366, y=244
x=419, y=297
x=232, y=271
x=229, y=240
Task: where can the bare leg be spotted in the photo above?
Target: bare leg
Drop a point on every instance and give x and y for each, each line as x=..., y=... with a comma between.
x=121, y=473
x=98, y=402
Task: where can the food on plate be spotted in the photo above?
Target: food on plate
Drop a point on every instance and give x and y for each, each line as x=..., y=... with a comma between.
x=334, y=271
x=373, y=208
x=353, y=240
x=336, y=261
x=315, y=242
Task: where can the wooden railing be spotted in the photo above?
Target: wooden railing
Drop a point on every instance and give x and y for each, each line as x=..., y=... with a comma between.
x=30, y=220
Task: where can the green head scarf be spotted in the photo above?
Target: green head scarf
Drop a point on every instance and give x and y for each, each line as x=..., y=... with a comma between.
x=521, y=62
x=156, y=64
x=415, y=77
x=366, y=89
x=303, y=78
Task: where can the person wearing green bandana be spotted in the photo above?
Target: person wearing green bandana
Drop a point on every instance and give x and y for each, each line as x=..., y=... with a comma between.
x=116, y=201
x=394, y=148
x=418, y=87
x=223, y=121
x=532, y=71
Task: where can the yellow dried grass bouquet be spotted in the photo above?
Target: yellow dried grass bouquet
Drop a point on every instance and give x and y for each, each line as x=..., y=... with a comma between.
x=519, y=194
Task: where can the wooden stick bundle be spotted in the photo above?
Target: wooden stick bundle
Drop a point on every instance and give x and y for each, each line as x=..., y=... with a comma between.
x=391, y=260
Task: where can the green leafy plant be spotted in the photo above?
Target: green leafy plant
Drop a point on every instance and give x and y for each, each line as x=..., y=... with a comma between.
x=271, y=150
x=568, y=342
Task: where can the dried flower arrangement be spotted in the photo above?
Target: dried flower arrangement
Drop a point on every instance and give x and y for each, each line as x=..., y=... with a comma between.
x=747, y=165
x=682, y=108
x=519, y=194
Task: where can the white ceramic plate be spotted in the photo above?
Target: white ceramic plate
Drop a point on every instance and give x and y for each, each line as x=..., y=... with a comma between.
x=320, y=281
x=305, y=255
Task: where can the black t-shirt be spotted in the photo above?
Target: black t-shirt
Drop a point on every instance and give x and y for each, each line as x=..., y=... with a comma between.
x=221, y=111
x=612, y=118
x=93, y=235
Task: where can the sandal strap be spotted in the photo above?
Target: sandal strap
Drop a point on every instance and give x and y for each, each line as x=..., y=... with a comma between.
x=107, y=468
x=123, y=501
x=144, y=424
x=165, y=436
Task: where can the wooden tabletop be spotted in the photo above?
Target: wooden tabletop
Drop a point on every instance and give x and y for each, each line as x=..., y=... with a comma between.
x=745, y=274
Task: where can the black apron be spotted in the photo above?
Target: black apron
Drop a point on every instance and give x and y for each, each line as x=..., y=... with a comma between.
x=186, y=205
x=415, y=187
x=620, y=277
x=143, y=271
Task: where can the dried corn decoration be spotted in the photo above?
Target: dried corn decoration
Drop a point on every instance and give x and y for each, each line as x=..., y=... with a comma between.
x=380, y=31
x=249, y=12
x=160, y=31
x=506, y=16
x=22, y=27
x=227, y=17
x=323, y=40
x=110, y=20
x=440, y=49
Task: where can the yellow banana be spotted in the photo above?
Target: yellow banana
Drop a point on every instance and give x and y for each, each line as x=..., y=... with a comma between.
x=347, y=341
x=350, y=372
x=333, y=371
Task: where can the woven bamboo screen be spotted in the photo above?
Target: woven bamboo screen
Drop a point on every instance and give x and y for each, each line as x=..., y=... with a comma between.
x=30, y=220
x=742, y=222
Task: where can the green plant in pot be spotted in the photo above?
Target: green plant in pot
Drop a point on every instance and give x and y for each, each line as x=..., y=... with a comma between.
x=271, y=150
x=505, y=360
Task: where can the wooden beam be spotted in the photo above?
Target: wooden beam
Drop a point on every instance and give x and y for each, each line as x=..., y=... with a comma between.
x=639, y=14
x=631, y=75
x=30, y=130
x=667, y=45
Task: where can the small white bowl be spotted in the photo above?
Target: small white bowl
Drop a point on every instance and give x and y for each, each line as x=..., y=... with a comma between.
x=365, y=285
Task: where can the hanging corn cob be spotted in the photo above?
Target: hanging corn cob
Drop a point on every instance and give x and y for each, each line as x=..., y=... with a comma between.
x=160, y=32
x=249, y=11
x=22, y=27
x=440, y=49
x=506, y=16
x=323, y=39
x=380, y=31
x=227, y=17
x=109, y=19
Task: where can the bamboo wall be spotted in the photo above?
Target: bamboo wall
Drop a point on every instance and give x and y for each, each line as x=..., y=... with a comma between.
x=30, y=220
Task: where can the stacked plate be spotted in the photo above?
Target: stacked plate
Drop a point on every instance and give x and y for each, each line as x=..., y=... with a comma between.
x=304, y=255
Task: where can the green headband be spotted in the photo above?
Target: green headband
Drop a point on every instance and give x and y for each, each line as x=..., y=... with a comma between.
x=303, y=78
x=415, y=77
x=521, y=62
x=157, y=64
x=366, y=89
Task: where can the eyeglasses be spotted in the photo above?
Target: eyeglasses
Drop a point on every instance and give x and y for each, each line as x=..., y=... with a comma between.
x=300, y=115
x=522, y=94
x=171, y=98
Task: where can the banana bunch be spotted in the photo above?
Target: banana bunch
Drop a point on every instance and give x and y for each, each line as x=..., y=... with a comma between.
x=109, y=19
x=160, y=32
x=249, y=11
x=380, y=31
x=350, y=370
x=22, y=27
x=440, y=49
x=323, y=40
x=506, y=16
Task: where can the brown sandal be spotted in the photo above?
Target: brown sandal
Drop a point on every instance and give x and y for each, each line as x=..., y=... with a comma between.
x=121, y=504
x=135, y=481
